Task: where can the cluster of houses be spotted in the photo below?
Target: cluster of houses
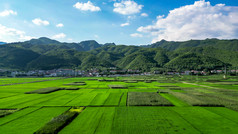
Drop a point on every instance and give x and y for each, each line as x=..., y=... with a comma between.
x=75, y=72
x=96, y=72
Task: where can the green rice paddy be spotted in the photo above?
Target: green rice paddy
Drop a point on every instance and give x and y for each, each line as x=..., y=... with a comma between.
x=126, y=105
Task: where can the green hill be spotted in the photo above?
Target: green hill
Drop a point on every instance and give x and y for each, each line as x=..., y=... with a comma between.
x=231, y=45
x=194, y=61
x=16, y=58
x=44, y=53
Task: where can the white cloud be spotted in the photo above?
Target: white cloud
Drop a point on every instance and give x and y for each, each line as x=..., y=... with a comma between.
x=40, y=22
x=7, y=13
x=198, y=21
x=87, y=6
x=127, y=7
x=136, y=35
x=12, y=35
x=60, y=25
x=125, y=24
x=144, y=15
x=59, y=36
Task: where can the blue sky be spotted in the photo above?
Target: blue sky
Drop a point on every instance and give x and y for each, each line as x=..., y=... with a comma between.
x=131, y=22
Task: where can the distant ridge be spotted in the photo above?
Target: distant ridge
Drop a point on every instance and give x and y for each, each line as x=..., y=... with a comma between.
x=231, y=45
x=1, y=43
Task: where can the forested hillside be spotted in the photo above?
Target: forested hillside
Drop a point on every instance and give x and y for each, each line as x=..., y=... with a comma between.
x=44, y=53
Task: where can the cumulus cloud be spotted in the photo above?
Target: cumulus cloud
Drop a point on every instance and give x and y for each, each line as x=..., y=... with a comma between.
x=7, y=13
x=127, y=7
x=89, y=6
x=12, y=35
x=136, y=35
x=200, y=20
x=60, y=25
x=59, y=36
x=144, y=15
x=40, y=22
x=125, y=24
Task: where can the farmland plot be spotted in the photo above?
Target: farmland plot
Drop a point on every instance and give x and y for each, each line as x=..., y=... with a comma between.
x=99, y=99
x=147, y=99
x=149, y=120
x=174, y=100
x=31, y=122
x=92, y=120
x=29, y=100
x=61, y=100
x=18, y=114
x=113, y=99
x=59, y=122
x=4, y=81
x=82, y=100
x=5, y=112
x=5, y=95
x=44, y=90
x=136, y=109
x=206, y=121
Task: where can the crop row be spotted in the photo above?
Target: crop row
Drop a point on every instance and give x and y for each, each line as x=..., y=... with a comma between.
x=146, y=99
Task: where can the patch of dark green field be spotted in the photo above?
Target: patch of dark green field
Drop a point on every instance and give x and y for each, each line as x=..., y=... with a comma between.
x=146, y=99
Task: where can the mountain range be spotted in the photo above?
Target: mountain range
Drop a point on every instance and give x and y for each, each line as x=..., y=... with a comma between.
x=1, y=43
x=45, y=53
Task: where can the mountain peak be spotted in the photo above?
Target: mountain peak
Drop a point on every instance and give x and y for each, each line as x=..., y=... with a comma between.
x=89, y=45
x=89, y=41
x=43, y=41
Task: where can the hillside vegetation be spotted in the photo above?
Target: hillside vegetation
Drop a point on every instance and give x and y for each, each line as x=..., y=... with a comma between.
x=44, y=53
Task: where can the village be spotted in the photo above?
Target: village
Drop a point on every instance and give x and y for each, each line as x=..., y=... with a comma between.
x=110, y=72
